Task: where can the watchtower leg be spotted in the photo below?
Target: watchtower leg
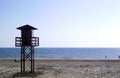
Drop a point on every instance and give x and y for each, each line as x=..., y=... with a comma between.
x=24, y=57
x=32, y=59
x=21, y=59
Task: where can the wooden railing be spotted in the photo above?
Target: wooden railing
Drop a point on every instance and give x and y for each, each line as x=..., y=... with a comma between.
x=34, y=41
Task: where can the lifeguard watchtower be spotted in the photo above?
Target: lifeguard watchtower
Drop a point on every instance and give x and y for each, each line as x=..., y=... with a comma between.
x=27, y=43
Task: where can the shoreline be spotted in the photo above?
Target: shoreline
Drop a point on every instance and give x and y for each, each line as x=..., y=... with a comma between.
x=69, y=59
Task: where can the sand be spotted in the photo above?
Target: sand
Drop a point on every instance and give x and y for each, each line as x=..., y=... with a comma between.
x=64, y=68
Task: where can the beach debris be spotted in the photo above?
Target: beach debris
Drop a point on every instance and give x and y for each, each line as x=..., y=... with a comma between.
x=16, y=60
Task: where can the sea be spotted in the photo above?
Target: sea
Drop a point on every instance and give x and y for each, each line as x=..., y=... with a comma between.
x=64, y=53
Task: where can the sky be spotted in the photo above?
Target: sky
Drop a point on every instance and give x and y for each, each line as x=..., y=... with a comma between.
x=62, y=23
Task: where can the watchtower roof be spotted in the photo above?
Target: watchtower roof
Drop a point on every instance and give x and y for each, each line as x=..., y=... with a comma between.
x=27, y=27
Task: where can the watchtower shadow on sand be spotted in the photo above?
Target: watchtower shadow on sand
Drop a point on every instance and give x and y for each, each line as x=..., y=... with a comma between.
x=27, y=74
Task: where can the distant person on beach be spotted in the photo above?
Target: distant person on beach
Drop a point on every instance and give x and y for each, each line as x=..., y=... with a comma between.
x=105, y=56
x=119, y=57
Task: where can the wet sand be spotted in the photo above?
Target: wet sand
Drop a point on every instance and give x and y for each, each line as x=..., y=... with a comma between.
x=64, y=68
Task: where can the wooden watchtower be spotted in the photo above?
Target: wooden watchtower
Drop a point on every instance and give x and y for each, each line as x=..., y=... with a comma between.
x=27, y=43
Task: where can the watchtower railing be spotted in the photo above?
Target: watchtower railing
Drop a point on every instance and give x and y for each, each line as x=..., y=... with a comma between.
x=18, y=41
x=34, y=41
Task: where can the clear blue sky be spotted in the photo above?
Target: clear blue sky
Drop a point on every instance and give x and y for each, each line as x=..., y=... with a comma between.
x=62, y=23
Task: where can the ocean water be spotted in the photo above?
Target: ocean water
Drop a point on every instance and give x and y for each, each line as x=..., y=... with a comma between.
x=64, y=52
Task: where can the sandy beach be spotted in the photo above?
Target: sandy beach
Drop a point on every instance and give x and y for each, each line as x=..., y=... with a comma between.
x=64, y=68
